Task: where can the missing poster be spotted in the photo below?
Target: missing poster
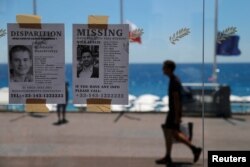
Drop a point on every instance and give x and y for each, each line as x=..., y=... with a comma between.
x=36, y=63
x=100, y=63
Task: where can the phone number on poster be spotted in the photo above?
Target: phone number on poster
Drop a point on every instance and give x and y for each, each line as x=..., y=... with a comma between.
x=36, y=95
x=95, y=95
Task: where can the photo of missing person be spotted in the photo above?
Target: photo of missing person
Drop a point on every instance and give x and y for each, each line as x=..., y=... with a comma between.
x=20, y=63
x=87, y=61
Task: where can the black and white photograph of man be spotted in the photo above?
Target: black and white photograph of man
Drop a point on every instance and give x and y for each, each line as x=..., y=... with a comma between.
x=88, y=61
x=20, y=63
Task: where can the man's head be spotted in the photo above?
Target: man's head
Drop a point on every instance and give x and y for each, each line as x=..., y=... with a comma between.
x=20, y=60
x=168, y=67
x=87, y=59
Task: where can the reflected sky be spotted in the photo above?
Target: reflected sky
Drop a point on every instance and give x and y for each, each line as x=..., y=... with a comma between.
x=160, y=19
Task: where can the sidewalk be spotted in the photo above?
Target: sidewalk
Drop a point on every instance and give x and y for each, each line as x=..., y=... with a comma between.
x=108, y=139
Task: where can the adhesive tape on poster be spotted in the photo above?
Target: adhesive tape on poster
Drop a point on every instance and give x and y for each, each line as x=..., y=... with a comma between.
x=36, y=105
x=99, y=105
x=100, y=22
x=28, y=21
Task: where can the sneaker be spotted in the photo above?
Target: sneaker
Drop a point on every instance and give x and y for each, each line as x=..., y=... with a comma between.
x=165, y=160
x=59, y=122
x=197, y=153
x=64, y=121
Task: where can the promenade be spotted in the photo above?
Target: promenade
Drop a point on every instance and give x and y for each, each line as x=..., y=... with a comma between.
x=109, y=139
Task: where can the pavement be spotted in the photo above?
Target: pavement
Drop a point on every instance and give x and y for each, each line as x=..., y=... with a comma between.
x=110, y=139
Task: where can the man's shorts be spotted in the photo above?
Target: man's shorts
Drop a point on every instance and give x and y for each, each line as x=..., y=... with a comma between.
x=170, y=123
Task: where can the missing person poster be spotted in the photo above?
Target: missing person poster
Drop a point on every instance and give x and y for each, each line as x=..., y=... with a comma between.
x=100, y=63
x=36, y=63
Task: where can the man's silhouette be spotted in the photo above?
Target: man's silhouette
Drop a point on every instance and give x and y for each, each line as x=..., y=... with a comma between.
x=61, y=108
x=171, y=128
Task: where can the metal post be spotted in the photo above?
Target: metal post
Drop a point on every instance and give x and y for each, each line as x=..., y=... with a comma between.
x=121, y=11
x=203, y=80
x=34, y=7
x=215, y=75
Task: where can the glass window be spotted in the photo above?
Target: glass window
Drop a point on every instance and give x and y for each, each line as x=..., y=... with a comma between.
x=210, y=49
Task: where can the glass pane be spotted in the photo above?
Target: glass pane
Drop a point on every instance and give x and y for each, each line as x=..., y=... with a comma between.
x=229, y=98
x=180, y=21
x=171, y=30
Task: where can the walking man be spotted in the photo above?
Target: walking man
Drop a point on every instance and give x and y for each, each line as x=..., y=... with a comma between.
x=171, y=128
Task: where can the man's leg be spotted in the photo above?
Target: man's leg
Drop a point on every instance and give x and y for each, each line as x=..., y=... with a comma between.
x=64, y=114
x=58, y=110
x=168, y=134
x=181, y=137
x=59, y=113
x=168, y=137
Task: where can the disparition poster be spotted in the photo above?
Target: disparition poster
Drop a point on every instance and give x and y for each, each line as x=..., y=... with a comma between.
x=36, y=63
x=100, y=63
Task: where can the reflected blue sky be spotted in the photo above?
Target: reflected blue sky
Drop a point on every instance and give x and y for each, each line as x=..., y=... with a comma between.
x=160, y=19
